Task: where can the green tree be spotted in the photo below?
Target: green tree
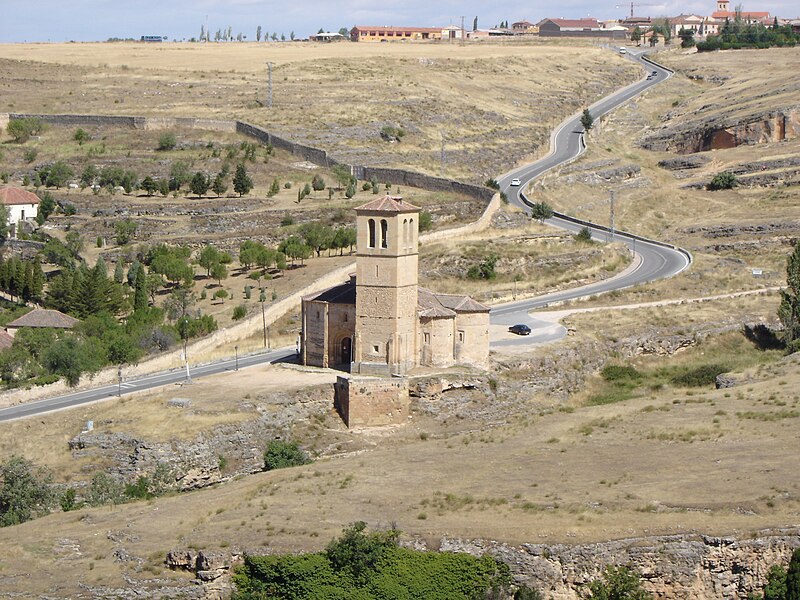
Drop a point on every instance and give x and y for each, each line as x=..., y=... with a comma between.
x=47, y=206
x=636, y=35
x=59, y=174
x=541, y=211
x=584, y=235
x=25, y=492
x=105, y=490
x=125, y=230
x=219, y=186
x=358, y=553
x=21, y=130
x=89, y=175
x=318, y=183
x=258, y=33
x=179, y=175
x=351, y=189
x=687, y=37
x=200, y=183
x=618, y=583
x=239, y=312
x=281, y=454
x=219, y=272
x=775, y=588
x=587, y=120
x=149, y=185
x=81, y=136
x=209, y=256
x=119, y=271
x=793, y=577
x=425, y=221
x=140, y=289
x=317, y=235
x=242, y=184
x=274, y=188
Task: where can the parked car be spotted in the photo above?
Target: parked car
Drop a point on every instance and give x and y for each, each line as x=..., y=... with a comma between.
x=516, y=181
x=623, y=50
x=520, y=329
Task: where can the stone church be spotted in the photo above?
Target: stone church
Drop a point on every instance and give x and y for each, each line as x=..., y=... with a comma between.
x=381, y=322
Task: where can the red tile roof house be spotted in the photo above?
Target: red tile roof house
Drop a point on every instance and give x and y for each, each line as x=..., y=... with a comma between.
x=22, y=206
x=42, y=317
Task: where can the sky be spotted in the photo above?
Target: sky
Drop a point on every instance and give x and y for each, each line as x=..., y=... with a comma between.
x=99, y=20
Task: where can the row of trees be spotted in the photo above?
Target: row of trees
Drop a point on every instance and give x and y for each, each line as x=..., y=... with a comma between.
x=28, y=492
x=736, y=34
x=23, y=279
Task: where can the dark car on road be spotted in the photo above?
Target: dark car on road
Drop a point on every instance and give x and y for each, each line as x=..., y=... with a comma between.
x=520, y=329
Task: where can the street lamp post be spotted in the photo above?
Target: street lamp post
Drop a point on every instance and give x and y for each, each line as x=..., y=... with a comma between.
x=119, y=381
x=262, y=298
x=236, y=349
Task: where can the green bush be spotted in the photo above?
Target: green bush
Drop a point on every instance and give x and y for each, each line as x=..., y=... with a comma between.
x=365, y=565
x=699, y=376
x=240, y=312
x=167, y=141
x=623, y=373
x=280, y=455
x=618, y=583
x=22, y=129
x=722, y=181
x=584, y=235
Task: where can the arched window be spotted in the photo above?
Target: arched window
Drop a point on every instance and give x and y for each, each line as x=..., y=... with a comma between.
x=405, y=232
x=411, y=232
x=371, y=233
x=384, y=233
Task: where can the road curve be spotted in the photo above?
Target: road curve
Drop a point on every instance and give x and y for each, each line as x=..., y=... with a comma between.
x=652, y=260
x=142, y=383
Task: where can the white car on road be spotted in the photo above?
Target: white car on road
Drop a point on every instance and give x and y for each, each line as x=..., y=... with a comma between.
x=516, y=181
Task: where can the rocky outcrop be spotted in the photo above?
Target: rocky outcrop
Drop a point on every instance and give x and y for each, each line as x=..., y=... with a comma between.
x=683, y=163
x=725, y=132
x=686, y=567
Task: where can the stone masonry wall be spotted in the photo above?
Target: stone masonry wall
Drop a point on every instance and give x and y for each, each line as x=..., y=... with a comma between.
x=370, y=402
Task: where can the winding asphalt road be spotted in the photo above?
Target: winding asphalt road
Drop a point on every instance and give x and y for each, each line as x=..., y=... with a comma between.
x=653, y=260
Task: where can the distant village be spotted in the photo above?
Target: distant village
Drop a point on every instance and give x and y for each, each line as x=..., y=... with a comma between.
x=615, y=29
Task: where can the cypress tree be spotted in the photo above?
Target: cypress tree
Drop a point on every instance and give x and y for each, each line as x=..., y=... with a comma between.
x=37, y=281
x=27, y=288
x=793, y=577
x=140, y=293
x=119, y=271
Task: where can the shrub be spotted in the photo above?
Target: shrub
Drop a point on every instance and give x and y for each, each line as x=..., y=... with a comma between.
x=699, y=376
x=240, y=312
x=584, y=235
x=81, y=136
x=425, y=221
x=484, y=270
x=287, y=185
x=492, y=183
x=366, y=186
x=623, y=373
x=618, y=582
x=318, y=183
x=22, y=129
x=30, y=155
x=541, y=211
x=167, y=141
x=280, y=455
x=722, y=181
x=287, y=220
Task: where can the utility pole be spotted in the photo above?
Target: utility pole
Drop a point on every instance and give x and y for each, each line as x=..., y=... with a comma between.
x=262, y=298
x=613, y=215
x=269, y=85
x=462, y=30
x=441, y=166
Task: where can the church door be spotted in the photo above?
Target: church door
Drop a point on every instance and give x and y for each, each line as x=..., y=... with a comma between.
x=346, y=347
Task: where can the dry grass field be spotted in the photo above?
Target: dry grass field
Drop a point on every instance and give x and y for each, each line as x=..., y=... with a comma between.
x=494, y=103
x=545, y=450
x=729, y=232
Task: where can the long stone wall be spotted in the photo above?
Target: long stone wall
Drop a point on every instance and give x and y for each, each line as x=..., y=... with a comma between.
x=314, y=155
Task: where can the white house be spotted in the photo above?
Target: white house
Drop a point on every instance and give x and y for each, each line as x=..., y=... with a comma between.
x=21, y=204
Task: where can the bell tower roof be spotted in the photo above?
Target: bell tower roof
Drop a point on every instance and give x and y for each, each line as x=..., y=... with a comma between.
x=390, y=204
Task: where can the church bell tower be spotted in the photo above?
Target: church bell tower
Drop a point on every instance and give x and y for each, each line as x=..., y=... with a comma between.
x=385, y=341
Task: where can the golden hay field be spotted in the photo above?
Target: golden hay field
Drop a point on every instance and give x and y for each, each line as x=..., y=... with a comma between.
x=494, y=104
